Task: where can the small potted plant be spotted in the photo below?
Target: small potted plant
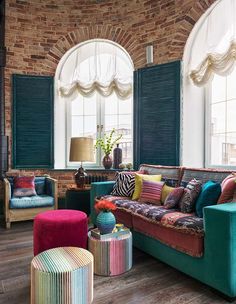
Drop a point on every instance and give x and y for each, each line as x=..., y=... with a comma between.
x=105, y=220
x=107, y=143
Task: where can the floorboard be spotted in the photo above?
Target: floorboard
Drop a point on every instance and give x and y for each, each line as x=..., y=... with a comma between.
x=148, y=282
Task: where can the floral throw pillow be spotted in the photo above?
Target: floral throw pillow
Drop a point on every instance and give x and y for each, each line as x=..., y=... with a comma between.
x=24, y=186
x=189, y=197
x=172, y=200
x=124, y=185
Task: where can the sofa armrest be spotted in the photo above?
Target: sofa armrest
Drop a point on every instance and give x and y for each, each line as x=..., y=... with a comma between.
x=98, y=189
x=52, y=189
x=7, y=197
x=220, y=245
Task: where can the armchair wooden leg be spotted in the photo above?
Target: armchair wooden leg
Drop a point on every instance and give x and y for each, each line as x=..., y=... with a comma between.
x=8, y=225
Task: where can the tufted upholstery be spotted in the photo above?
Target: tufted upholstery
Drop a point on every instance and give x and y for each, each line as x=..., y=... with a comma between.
x=26, y=208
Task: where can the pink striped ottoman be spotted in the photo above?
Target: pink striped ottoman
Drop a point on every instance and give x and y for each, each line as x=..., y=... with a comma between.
x=112, y=256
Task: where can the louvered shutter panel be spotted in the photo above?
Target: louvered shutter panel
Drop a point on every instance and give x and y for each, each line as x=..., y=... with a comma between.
x=32, y=121
x=157, y=114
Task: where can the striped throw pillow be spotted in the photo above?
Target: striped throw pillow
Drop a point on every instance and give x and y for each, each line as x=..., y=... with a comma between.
x=124, y=185
x=151, y=192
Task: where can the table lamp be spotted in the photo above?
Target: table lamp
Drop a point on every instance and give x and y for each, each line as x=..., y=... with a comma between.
x=81, y=150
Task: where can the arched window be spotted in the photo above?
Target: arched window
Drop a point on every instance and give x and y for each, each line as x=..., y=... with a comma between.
x=93, y=95
x=209, y=103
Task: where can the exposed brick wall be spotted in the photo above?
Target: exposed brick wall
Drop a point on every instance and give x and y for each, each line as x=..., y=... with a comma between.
x=39, y=32
x=65, y=178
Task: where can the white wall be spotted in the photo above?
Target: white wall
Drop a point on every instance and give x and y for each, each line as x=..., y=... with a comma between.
x=193, y=125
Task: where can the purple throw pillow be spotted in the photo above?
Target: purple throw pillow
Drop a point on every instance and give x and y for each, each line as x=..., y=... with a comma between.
x=173, y=198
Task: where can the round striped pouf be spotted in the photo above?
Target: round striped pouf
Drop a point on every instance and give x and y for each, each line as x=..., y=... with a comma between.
x=112, y=256
x=62, y=275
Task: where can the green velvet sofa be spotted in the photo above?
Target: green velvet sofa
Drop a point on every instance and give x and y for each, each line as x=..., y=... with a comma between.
x=217, y=266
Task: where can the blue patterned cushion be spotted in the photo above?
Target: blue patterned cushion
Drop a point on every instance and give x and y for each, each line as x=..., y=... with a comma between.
x=31, y=202
x=40, y=185
x=204, y=175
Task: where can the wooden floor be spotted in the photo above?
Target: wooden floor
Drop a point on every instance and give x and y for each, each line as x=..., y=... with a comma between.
x=148, y=282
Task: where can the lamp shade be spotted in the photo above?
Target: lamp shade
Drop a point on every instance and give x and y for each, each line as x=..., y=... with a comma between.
x=81, y=149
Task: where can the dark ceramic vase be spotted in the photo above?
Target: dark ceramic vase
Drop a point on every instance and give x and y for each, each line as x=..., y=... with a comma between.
x=117, y=157
x=107, y=162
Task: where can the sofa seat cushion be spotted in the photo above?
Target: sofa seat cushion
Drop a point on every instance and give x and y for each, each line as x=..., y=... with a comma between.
x=31, y=202
x=182, y=231
x=187, y=243
x=184, y=222
x=124, y=217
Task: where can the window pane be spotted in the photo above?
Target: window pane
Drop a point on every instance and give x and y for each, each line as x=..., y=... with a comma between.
x=126, y=140
x=231, y=115
x=231, y=149
x=110, y=122
x=125, y=106
x=77, y=106
x=126, y=146
x=90, y=105
x=125, y=121
x=111, y=104
x=218, y=117
x=231, y=87
x=218, y=149
x=90, y=126
x=218, y=89
x=77, y=126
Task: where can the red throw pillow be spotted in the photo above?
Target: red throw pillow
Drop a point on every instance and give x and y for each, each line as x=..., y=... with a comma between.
x=24, y=186
x=228, y=187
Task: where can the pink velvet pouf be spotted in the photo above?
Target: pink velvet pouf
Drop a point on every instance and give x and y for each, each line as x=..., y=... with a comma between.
x=60, y=228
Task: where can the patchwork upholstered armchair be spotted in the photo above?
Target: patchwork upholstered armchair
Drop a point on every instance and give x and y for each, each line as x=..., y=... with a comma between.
x=23, y=202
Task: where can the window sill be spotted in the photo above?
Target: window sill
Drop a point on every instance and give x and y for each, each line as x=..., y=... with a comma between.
x=74, y=169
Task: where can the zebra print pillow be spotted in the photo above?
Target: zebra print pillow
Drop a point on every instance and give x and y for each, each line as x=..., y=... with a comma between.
x=124, y=185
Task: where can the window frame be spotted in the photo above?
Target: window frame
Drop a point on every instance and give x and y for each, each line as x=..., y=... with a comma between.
x=61, y=126
x=100, y=123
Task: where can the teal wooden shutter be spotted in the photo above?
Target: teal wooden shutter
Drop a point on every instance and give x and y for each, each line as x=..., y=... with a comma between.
x=32, y=121
x=157, y=114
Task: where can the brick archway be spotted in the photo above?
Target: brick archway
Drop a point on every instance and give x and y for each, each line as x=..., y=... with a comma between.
x=124, y=38
x=186, y=24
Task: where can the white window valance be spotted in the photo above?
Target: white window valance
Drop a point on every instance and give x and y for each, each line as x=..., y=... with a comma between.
x=96, y=66
x=214, y=45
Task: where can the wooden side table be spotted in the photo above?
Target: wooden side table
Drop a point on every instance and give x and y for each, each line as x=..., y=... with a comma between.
x=78, y=199
x=112, y=256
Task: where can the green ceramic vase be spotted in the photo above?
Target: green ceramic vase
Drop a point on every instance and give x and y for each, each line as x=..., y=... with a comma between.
x=105, y=222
